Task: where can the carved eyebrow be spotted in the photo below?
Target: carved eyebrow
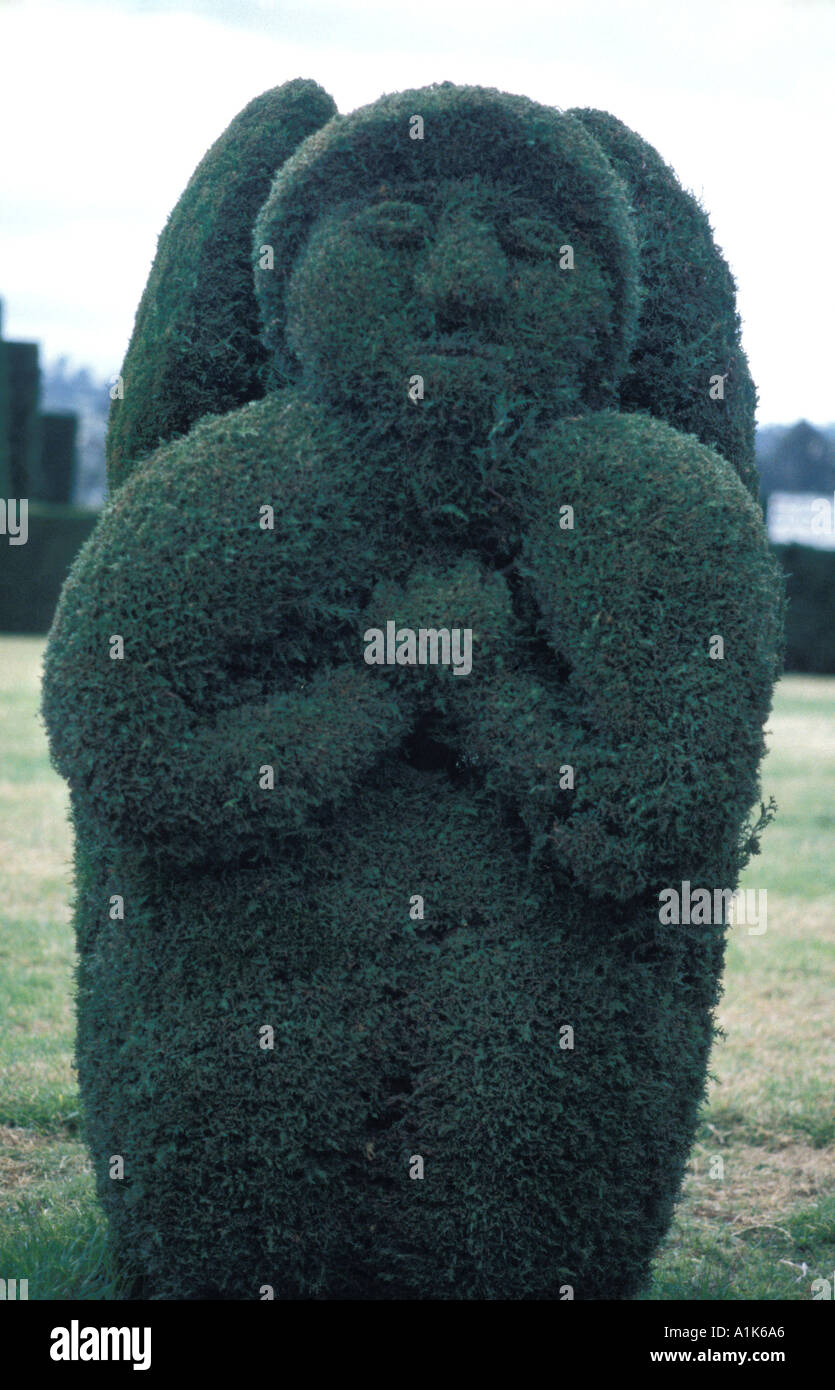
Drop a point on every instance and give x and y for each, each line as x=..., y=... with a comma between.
x=538, y=234
x=394, y=219
x=393, y=206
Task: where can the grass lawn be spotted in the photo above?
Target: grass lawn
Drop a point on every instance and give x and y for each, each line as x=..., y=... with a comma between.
x=757, y=1217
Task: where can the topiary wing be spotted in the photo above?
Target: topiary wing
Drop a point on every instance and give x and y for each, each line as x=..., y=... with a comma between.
x=195, y=346
x=689, y=328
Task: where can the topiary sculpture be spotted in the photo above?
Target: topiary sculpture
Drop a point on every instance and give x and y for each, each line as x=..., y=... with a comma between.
x=375, y=997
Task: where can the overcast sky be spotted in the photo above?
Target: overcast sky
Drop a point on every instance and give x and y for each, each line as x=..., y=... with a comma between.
x=106, y=106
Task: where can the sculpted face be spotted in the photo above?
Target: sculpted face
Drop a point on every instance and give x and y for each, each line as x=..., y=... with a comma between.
x=462, y=282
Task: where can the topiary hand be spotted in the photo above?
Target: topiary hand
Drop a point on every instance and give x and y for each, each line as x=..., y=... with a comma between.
x=637, y=709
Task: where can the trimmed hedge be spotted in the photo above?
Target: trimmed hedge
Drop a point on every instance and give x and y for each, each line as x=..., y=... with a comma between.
x=446, y=1035
x=31, y=575
x=561, y=183
x=810, y=615
x=689, y=328
x=24, y=440
x=195, y=346
x=5, y=457
x=56, y=473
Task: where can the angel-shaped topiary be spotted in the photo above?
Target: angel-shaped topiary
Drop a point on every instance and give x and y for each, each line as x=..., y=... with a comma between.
x=375, y=997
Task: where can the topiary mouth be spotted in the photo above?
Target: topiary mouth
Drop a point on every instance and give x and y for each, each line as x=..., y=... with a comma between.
x=454, y=345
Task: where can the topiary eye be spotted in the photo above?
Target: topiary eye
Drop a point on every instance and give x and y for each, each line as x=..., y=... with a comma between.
x=393, y=223
x=530, y=237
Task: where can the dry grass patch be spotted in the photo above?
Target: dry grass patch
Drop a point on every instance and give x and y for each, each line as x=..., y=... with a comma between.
x=761, y=1186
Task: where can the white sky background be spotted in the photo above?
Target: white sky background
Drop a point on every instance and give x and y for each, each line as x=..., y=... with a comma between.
x=106, y=106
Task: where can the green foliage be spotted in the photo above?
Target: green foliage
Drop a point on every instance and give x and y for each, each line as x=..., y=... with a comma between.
x=52, y=1226
x=195, y=346
x=23, y=390
x=5, y=465
x=689, y=328
x=668, y=551
x=57, y=461
x=810, y=615
x=31, y=575
x=247, y=906
x=501, y=175
x=441, y=1038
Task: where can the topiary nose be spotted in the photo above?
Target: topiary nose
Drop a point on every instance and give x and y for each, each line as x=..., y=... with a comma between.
x=465, y=272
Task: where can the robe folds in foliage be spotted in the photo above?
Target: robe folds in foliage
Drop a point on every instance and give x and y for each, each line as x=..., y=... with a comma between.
x=391, y=1011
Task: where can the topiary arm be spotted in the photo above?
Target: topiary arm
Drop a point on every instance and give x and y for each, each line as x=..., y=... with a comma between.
x=260, y=771
x=146, y=772
x=666, y=602
x=634, y=754
x=239, y=650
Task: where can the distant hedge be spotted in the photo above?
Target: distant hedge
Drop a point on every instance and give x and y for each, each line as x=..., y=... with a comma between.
x=23, y=394
x=5, y=459
x=31, y=575
x=810, y=617
x=56, y=471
